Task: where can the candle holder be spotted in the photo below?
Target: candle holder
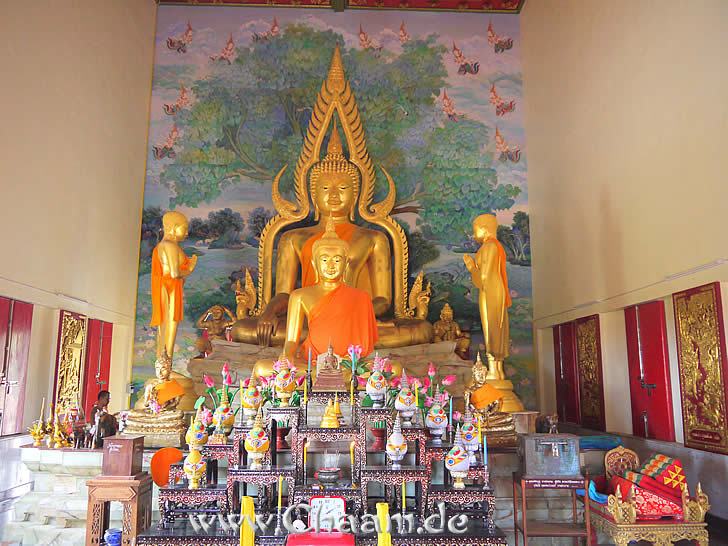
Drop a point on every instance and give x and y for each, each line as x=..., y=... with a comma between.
x=279, y=524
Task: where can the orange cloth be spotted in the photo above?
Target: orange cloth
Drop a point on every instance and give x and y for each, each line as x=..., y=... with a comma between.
x=170, y=285
x=487, y=394
x=503, y=260
x=308, y=273
x=345, y=316
x=162, y=460
x=169, y=390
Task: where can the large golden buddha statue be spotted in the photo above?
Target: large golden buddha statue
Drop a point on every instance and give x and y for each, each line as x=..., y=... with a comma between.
x=335, y=185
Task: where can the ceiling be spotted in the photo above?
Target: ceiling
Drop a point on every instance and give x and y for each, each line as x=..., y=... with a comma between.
x=488, y=6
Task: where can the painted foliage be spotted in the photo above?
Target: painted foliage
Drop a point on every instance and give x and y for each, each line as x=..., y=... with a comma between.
x=439, y=95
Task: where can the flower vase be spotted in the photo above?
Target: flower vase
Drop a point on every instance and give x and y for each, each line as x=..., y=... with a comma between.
x=380, y=436
x=281, y=433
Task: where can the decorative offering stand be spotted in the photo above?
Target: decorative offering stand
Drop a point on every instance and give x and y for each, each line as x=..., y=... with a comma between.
x=358, y=472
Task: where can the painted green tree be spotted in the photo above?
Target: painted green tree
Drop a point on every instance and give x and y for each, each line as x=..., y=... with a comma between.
x=249, y=118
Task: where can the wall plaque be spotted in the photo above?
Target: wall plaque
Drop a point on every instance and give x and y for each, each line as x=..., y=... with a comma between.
x=701, y=352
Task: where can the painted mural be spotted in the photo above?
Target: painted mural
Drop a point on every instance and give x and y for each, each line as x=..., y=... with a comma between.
x=440, y=97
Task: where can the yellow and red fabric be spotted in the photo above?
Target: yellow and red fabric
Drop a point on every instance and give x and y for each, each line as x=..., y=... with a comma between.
x=650, y=504
x=665, y=470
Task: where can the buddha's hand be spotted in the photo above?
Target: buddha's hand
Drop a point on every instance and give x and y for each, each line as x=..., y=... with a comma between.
x=267, y=327
x=193, y=263
x=472, y=268
x=381, y=306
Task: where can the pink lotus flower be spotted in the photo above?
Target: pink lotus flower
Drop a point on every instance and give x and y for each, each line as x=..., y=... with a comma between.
x=225, y=369
x=395, y=382
x=354, y=351
x=209, y=381
x=228, y=380
x=448, y=380
x=426, y=382
x=415, y=383
x=431, y=371
x=361, y=381
x=205, y=416
x=263, y=380
x=457, y=416
x=429, y=400
x=388, y=366
x=300, y=380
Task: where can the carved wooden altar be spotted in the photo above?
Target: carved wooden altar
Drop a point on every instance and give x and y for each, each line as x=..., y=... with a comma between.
x=135, y=494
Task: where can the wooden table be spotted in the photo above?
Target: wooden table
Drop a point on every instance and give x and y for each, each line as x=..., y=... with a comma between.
x=532, y=528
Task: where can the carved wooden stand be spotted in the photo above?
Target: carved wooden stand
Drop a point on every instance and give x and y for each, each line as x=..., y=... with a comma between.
x=135, y=494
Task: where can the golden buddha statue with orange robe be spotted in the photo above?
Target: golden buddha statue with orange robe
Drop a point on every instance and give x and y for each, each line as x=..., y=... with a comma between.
x=160, y=420
x=334, y=186
x=337, y=314
x=488, y=272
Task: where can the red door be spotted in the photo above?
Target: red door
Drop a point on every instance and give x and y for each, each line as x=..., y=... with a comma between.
x=567, y=384
x=5, y=305
x=98, y=361
x=649, y=371
x=15, y=366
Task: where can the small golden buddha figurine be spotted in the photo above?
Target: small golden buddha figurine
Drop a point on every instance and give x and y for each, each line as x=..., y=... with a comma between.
x=330, y=419
x=329, y=376
x=334, y=186
x=488, y=273
x=446, y=329
x=214, y=321
x=160, y=420
x=485, y=401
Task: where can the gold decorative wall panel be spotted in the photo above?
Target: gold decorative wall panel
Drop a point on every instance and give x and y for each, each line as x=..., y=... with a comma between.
x=70, y=359
x=589, y=366
x=700, y=333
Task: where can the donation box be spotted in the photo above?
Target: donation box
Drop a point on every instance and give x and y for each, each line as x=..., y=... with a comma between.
x=549, y=455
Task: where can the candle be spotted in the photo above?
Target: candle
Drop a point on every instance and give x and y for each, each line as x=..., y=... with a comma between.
x=351, y=393
x=280, y=492
x=305, y=389
x=450, y=420
x=417, y=394
x=351, y=456
x=309, y=361
x=42, y=409
x=404, y=496
x=305, y=453
x=480, y=429
x=485, y=451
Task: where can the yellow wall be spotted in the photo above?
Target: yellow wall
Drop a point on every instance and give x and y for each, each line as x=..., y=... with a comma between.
x=626, y=120
x=75, y=100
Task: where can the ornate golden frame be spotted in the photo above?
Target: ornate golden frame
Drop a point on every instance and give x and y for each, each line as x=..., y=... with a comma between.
x=335, y=96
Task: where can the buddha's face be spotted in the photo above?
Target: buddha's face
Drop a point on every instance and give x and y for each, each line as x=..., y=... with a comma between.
x=446, y=315
x=335, y=194
x=330, y=263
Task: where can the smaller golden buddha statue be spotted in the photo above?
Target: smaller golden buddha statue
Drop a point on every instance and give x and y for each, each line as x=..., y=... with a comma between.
x=160, y=421
x=488, y=272
x=485, y=401
x=330, y=419
x=214, y=321
x=329, y=376
x=446, y=329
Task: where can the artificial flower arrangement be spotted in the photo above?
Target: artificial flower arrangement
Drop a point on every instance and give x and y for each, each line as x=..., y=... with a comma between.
x=225, y=392
x=358, y=366
x=429, y=389
x=267, y=384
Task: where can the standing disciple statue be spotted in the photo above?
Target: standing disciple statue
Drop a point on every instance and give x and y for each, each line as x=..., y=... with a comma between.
x=160, y=421
x=488, y=273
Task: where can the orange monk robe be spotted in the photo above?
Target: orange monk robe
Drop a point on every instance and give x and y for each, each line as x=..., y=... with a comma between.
x=502, y=259
x=345, y=316
x=308, y=273
x=173, y=287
